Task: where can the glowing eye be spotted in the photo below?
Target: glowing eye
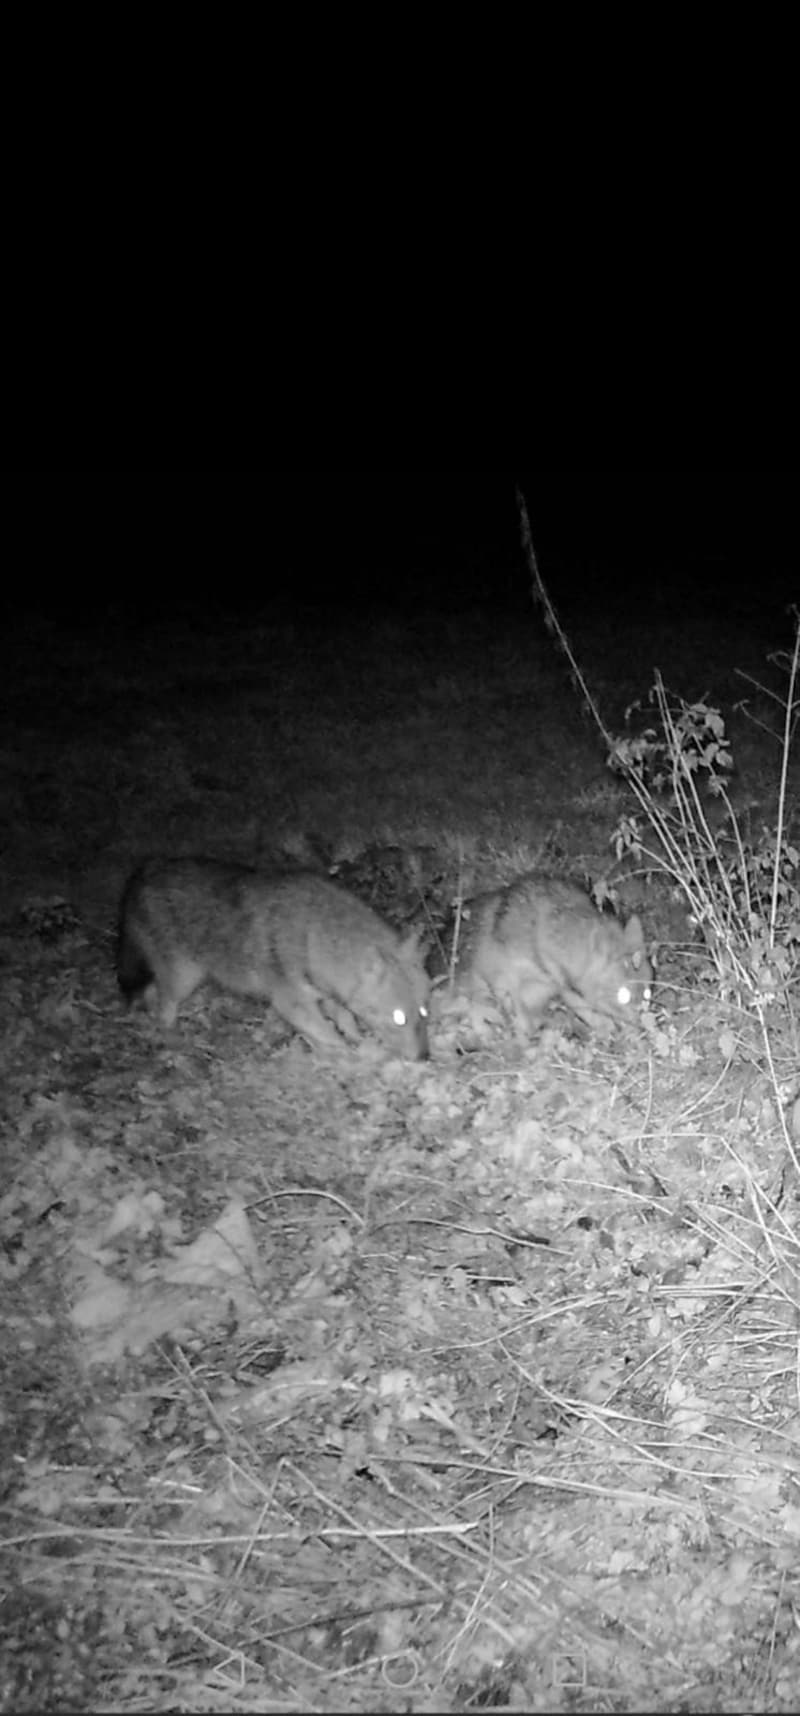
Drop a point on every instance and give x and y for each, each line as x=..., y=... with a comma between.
x=398, y=1016
x=623, y=995
x=423, y=1012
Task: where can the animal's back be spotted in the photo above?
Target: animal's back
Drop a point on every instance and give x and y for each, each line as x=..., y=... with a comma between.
x=542, y=939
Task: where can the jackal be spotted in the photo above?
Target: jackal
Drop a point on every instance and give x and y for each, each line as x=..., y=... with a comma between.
x=542, y=939
x=328, y=963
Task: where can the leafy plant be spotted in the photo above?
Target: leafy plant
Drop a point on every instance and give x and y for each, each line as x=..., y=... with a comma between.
x=743, y=896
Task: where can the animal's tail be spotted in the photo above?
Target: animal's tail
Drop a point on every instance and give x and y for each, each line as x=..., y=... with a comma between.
x=133, y=970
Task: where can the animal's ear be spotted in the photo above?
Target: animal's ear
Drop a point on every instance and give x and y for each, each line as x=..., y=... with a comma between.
x=412, y=944
x=634, y=935
x=372, y=962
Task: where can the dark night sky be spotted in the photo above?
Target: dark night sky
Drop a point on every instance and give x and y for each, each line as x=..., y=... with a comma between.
x=82, y=540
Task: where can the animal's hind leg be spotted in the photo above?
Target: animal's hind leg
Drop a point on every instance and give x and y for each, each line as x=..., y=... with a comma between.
x=174, y=982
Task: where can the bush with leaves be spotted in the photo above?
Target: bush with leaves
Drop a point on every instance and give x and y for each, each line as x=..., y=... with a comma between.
x=743, y=896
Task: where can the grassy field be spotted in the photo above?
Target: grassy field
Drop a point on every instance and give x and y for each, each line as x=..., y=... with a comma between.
x=337, y=1384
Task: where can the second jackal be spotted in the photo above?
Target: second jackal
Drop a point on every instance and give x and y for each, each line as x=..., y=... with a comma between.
x=542, y=939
